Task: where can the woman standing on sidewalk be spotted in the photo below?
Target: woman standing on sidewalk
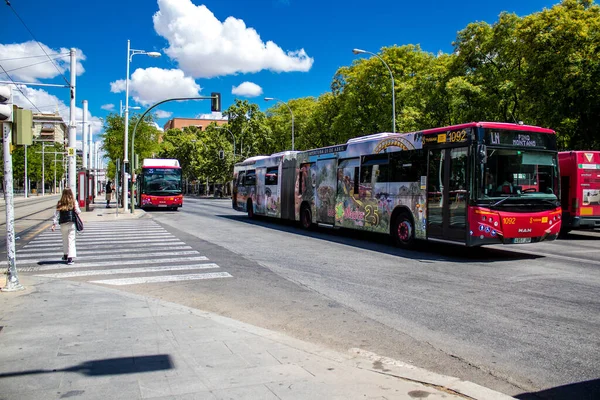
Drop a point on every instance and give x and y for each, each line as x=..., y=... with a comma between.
x=64, y=215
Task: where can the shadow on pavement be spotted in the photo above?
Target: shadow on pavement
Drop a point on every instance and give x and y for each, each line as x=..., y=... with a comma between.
x=586, y=390
x=109, y=366
x=382, y=243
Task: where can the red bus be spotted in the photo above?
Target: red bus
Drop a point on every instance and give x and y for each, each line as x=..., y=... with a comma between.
x=474, y=184
x=160, y=184
x=580, y=195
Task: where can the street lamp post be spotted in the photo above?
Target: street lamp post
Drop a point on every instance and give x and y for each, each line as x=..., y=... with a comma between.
x=130, y=53
x=359, y=51
x=288, y=107
x=121, y=108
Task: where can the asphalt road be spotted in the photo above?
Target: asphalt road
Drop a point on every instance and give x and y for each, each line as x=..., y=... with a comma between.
x=29, y=214
x=516, y=319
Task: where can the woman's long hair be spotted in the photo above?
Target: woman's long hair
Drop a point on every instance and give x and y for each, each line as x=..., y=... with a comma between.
x=67, y=200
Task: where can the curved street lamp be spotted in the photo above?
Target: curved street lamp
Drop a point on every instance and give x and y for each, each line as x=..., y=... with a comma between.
x=274, y=98
x=359, y=51
x=130, y=53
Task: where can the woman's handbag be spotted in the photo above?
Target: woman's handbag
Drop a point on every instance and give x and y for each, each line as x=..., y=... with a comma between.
x=78, y=222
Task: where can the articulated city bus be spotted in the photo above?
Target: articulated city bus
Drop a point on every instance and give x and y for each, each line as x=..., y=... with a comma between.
x=159, y=184
x=475, y=184
x=580, y=195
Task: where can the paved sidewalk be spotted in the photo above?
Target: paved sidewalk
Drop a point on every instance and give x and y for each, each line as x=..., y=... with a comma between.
x=64, y=339
x=99, y=212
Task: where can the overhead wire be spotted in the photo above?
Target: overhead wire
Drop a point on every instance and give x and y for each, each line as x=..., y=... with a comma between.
x=40, y=55
x=19, y=89
x=37, y=41
x=31, y=65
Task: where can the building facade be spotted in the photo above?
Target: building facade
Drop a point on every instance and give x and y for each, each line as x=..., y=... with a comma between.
x=49, y=127
x=180, y=123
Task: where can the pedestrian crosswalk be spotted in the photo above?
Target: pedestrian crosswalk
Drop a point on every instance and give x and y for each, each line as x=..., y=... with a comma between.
x=118, y=253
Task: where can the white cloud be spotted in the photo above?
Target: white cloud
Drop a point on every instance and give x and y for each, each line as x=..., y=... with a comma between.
x=160, y=128
x=22, y=63
x=108, y=107
x=206, y=47
x=247, y=89
x=151, y=85
x=49, y=103
x=163, y=114
x=213, y=115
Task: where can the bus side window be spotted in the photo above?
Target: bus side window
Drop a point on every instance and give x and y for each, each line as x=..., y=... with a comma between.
x=250, y=178
x=302, y=177
x=241, y=176
x=271, y=176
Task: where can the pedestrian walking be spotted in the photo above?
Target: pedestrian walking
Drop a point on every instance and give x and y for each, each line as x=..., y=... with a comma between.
x=66, y=208
x=109, y=190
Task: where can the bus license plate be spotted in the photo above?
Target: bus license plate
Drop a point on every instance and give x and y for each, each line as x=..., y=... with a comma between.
x=522, y=240
x=162, y=205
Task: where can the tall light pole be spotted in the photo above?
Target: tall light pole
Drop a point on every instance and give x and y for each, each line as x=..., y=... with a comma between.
x=359, y=51
x=121, y=108
x=130, y=53
x=273, y=98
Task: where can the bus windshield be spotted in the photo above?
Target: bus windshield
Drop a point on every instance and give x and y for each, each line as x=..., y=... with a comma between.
x=512, y=176
x=161, y=181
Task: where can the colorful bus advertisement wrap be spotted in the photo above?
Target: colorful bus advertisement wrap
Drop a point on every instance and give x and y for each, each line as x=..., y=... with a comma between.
x=475, y=184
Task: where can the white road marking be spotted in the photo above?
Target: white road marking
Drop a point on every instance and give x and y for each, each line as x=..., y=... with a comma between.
x=74, y=274
x=133, y=254
x=109, y=263
x=80, y=251
x=170, y=278
x=98, y=237
x=146, y=242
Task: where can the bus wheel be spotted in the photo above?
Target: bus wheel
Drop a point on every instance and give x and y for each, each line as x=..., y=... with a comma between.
x=403, y=231
x=249, y=209
x=306, y=217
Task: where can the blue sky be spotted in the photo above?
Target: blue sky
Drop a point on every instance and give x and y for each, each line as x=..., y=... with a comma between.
x=256, y=48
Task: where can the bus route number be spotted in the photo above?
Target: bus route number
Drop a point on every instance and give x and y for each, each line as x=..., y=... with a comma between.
x=457, y=137
x=453, y=137
x=509, y=220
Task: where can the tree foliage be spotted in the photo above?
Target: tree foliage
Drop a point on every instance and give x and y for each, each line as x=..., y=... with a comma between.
x=542, y=69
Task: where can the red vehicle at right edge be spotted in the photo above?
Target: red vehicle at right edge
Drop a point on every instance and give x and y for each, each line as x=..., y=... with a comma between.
x=580, y=194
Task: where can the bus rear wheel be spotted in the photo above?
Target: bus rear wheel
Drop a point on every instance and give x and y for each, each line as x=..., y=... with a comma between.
x=403, y=231
x=249, y=209
x=306, y=217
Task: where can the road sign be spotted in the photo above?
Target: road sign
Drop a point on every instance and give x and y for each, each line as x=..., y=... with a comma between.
x=71, y=151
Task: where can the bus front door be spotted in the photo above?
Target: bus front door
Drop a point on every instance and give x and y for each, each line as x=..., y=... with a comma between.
x=447, y=194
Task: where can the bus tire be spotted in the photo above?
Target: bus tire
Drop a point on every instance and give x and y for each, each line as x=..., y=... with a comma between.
x=249, y=209
x=403, y=231
x=306, y=217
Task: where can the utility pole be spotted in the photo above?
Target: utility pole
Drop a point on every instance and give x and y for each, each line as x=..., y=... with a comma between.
x=12, y=278
x=84, y=148
x=72, y=127
x=26, y=184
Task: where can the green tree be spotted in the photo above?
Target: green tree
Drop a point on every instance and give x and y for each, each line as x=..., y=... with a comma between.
x=146, y=138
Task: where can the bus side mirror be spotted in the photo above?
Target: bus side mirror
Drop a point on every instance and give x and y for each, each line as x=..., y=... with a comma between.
x=482, y=153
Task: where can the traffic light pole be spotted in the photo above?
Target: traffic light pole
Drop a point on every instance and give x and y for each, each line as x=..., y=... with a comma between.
x=215, y=106
x=12, y=278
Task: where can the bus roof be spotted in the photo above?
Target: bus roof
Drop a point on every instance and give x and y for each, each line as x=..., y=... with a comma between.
x=491, y=125
x=160, y=163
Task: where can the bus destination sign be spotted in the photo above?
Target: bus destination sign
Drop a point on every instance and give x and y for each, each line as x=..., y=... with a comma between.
x=520, y=138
